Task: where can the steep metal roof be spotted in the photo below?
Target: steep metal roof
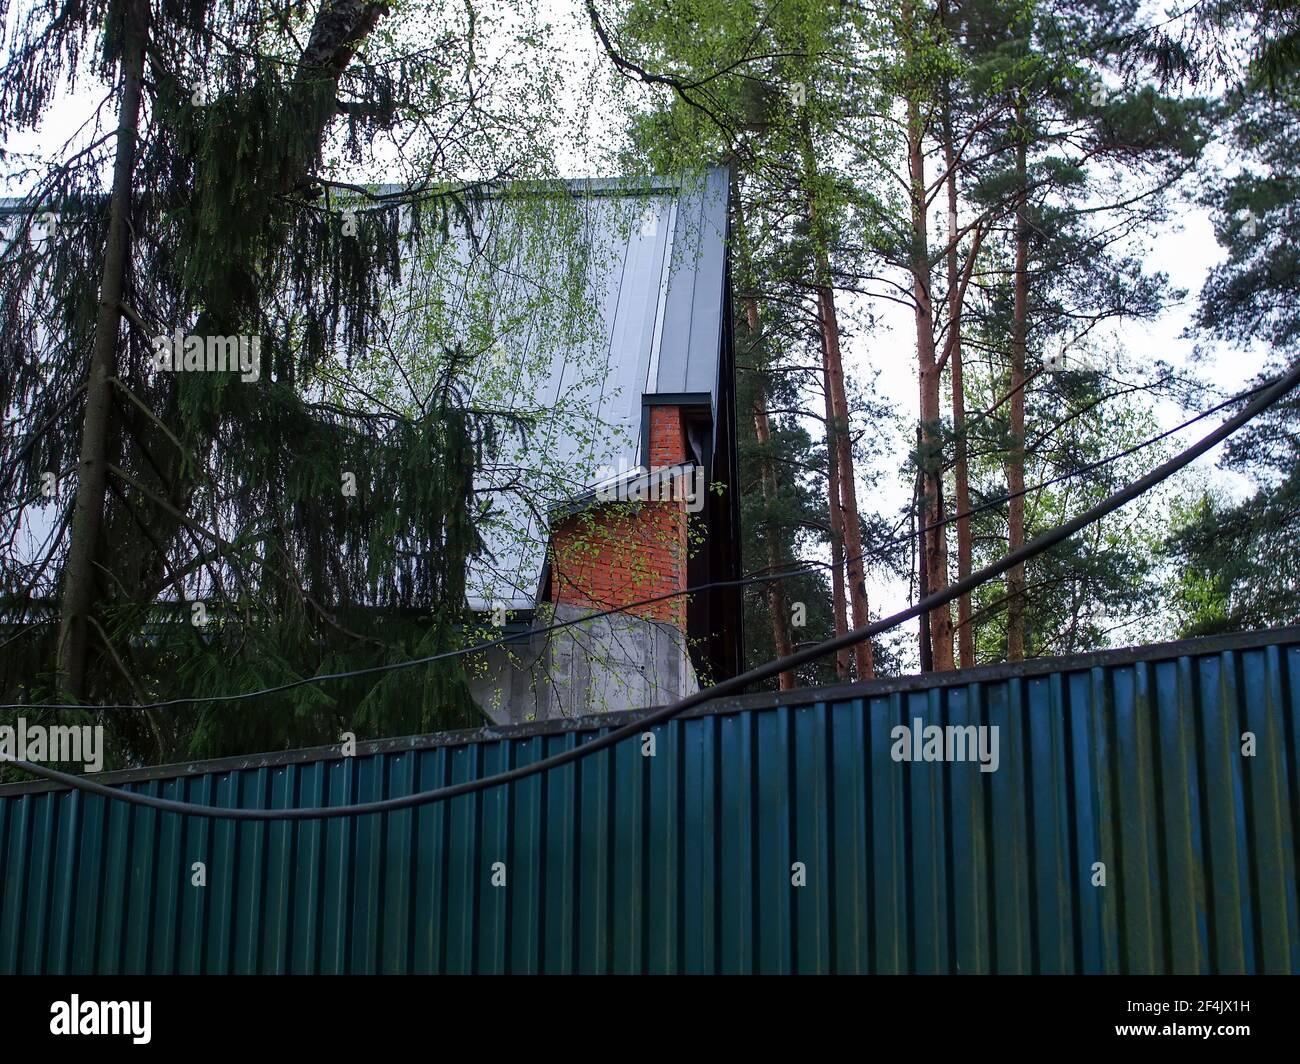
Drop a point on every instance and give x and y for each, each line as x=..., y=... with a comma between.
x=694, y=306
x=650, y=254
x=654, y=284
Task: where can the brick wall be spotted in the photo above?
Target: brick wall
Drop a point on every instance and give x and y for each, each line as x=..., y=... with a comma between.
x=614, y=554
x=667, y=436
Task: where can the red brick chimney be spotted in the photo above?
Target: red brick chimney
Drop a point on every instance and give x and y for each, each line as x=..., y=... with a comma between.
x=616, y=553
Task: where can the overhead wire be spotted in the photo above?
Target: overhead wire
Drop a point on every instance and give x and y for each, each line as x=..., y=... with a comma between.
x=1043, y=542
x=804, y=570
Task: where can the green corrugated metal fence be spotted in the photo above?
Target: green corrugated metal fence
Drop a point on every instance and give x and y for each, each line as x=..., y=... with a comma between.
x=682, y=862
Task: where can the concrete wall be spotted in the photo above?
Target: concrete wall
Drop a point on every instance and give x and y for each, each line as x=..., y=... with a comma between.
x=603, y=557
x=599, y=666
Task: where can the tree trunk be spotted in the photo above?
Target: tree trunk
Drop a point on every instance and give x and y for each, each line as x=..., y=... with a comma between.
x=1016, y=453
x=837, y=526
x=337, y=31
x=961, y=466
x=837, y=425
x=923, y=588
x=80, y=580
x=838, y=431
x=781, y=637
x=930, y=452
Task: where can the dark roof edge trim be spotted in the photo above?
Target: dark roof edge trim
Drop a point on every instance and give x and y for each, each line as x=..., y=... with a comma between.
x=676, y=398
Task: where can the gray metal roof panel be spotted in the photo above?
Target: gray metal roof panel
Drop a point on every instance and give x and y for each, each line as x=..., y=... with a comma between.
x=657, y=283
x=693, y=318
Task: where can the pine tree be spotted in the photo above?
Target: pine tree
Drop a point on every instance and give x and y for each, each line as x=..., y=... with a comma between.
x=315, y=537
x=1237, y=561
x=1076, y=170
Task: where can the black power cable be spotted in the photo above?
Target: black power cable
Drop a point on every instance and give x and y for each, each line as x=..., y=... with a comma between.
x=803, y=570
x=736, y=684
x=1090, y=467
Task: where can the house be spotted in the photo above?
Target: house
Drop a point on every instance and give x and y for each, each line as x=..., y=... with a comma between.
x=644, y=451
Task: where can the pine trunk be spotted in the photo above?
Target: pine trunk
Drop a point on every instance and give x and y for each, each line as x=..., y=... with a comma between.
x=838, y=597
x=926, y=654
x=961, y=465
x=838, y=439
x=930, y=452
x=782, y=639
x=781, y=636
x=1016, y=452
x=839, y=434
x=80, y=581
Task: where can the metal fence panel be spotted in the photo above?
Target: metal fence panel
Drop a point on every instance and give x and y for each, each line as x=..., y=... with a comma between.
x=687, y=861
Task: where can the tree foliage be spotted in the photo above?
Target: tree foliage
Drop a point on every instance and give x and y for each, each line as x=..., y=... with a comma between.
x=318, y=534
